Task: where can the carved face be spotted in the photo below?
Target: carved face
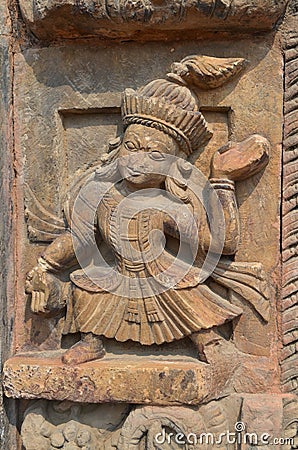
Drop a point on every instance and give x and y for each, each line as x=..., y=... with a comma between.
x=70, y=431
x=144, y=150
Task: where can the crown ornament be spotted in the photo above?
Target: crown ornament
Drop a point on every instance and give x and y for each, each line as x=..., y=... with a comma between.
x=172, y=105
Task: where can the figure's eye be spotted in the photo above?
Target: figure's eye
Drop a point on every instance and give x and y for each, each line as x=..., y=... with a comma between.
x=158, y=156
x=131, y=146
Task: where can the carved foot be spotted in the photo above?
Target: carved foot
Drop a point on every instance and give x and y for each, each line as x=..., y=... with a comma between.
x=223, y=360
x=90, y=347
x=214, y=349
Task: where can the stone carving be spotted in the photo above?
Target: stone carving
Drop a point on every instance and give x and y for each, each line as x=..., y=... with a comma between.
x=66, y=425
x=194, y=348
x=69, y=426
x=145, y=298
x=290, y=425
x=290, y=236
x=151, y=426
x=246, y=420
x=205, y=72
x=130, y=10
x=51, y=226
x=110, y=18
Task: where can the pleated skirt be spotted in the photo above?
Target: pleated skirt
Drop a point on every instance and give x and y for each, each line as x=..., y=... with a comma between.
x=180, y=313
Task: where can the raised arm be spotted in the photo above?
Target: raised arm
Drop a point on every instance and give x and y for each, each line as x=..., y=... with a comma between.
x=229, y=223
x=234, y=162
x=60, y=254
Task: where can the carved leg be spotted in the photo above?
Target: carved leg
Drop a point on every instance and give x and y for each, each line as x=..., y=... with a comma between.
x=213, y=348
x=90, y=347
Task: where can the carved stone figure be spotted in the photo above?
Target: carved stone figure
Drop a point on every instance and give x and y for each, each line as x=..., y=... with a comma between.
x=161, y=120
x=66, y=425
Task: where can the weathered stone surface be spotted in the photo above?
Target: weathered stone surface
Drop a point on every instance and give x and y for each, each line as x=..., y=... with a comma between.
x=72, y=425
x=78, y=110
x=135, y=379
x=5, y=19
x=146, y=19
x=262, y=415
x=124, y=426
x=175, y=427
x=236, y=422
x=124, y=379
x=6, y=224
x=75, y=111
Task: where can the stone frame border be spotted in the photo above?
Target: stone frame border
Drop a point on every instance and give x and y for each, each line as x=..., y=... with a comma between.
x=289, y=214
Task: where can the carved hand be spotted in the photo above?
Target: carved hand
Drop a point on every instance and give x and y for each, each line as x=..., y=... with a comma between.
x=36, y=285
x=238, y=161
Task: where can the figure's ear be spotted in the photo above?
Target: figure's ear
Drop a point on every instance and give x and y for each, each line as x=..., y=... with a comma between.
x=206, y=72
x=113, y=150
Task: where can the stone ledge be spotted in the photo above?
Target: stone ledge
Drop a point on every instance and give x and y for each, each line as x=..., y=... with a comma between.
x=116, y=378
x=146, y=19
x=138, y=379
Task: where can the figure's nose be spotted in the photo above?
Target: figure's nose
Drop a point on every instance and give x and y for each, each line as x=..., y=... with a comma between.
x=137, y=159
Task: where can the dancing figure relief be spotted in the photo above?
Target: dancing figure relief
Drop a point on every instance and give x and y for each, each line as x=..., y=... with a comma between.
x=141, y=203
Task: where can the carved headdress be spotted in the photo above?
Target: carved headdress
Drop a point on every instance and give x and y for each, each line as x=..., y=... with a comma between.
x=172, y=105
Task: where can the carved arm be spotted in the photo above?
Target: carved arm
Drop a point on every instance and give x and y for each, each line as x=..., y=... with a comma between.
x=43, y=282
x=60, y=254
x=180, y=225
x=225, y=191
x=233, y=162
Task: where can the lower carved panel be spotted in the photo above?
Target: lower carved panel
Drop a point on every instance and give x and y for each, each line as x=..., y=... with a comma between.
x=69, y=426
x=238, y=422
